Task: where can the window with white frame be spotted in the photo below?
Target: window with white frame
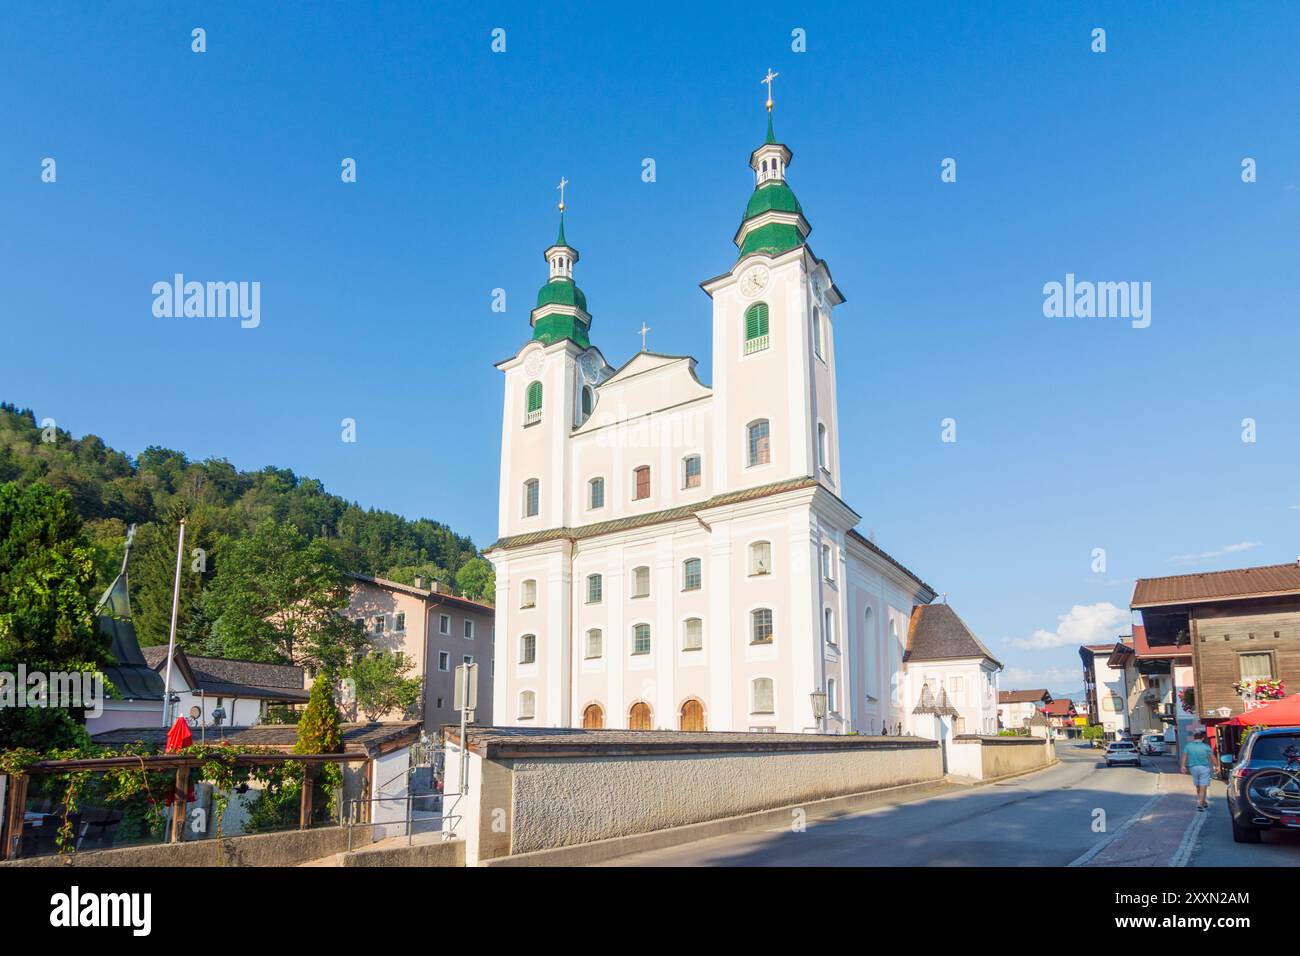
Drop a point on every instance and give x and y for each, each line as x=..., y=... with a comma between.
x=691, y=471
x=379, y=624
x=762, y=696
x=595, y=588
x=528, y=649
x=641, y=582
x=469, y=629
x=759, y=436
x=693, y=634
x=823, y=448
x=444, y=623
x=595, y=643
x=828, y=562
x=760, y=626
x=527, y=705
x=596, y=493
x=533, y=403
x=828, y=625
x=817, y=332
x=692, y=576
x=832, y=696
x=760, y=557
x=641, y=639
x=532, y=497
x=528, y=593
x=399, y=621
x=444, y=661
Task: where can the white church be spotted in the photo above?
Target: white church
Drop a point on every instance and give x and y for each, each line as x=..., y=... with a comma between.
x=679, y=556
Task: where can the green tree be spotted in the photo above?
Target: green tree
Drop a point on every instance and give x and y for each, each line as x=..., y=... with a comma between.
x=278, y=597
x=382, y=684
x=477, y=580
x=319, y=730
x=47, y=604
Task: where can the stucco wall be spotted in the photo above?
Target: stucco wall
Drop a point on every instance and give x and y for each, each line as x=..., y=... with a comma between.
x=566, y=801
x=984, y=758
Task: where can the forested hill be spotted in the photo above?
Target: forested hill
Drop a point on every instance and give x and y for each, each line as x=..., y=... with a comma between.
x=111, y=490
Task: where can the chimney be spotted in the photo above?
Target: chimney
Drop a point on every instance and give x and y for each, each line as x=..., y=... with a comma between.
x=437, y=588
x=419, y=581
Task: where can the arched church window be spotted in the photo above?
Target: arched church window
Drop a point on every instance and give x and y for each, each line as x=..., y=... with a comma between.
x=528, y=649
x=642, y=482
x=763, y=696
x=532, y=496
x=823, y=448
x=596, y=493
x=587, y=402
x=533, y=405
x=760, y=557
x=756, y=338
x=527, y=705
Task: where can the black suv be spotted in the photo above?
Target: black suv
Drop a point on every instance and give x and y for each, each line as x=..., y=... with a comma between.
x=1258, y=801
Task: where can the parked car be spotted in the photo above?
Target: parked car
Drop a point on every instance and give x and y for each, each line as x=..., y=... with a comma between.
x=1257, y=799
x=1152, y=745
x=1122, y=751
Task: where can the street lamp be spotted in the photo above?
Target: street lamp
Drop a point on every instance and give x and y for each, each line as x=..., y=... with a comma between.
x=819, y=708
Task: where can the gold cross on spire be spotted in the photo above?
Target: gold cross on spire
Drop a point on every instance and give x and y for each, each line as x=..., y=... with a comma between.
x=563, y=182
x=768, y=80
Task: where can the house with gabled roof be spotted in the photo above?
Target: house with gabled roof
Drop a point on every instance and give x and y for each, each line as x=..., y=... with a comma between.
x=949, y=679
x=1017, y=707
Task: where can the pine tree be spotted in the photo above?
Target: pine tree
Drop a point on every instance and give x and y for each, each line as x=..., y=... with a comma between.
x=318, y=730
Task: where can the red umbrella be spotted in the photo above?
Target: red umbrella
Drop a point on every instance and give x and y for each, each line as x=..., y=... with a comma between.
x=1276, y=713
x=179, y=736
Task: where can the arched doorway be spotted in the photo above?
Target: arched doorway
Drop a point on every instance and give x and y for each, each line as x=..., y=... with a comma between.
x=640, y=717
x=692, y=716
x=593, y=717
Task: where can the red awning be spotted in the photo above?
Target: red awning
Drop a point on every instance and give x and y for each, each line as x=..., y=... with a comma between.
x=1276, y=713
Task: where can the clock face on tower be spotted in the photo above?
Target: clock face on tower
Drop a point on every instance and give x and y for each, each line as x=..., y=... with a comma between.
x=589, y=367
x=533, y=364
x=754, y=281
x=819, y=291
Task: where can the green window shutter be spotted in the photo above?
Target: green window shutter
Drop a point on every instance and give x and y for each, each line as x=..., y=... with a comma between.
x=756, y=321
x=534, y=396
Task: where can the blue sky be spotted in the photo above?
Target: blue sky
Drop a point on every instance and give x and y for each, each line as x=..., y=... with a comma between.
x=1073, y=434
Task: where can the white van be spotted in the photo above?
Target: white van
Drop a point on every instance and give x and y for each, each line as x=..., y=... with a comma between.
x=1152, y=744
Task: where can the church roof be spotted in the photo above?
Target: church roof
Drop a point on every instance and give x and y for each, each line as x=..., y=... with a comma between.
x=936, y=633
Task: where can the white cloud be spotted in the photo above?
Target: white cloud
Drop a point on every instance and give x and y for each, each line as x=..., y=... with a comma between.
x=1083, y=624
x=1226, y=549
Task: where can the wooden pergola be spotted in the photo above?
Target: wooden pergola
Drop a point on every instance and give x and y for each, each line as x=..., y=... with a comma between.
x=16, y=793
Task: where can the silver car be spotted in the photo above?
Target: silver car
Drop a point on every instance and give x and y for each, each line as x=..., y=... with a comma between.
x=1122, y=751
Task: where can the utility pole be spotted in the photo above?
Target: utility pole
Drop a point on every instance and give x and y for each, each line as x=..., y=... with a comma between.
x=171, y=641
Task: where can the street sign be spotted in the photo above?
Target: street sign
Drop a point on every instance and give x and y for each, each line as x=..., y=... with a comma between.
x=466, y=680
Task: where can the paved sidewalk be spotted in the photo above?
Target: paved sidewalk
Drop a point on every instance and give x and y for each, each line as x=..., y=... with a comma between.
x=1163, y=831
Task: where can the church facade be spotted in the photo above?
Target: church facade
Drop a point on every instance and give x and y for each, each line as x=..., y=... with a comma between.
x=676, y=555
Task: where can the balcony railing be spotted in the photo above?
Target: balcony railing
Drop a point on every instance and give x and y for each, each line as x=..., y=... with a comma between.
x=755, y=344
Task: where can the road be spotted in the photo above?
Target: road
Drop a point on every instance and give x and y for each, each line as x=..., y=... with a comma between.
x=1042, y=819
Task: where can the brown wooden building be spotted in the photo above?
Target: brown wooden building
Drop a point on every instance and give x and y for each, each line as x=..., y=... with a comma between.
x=1239, y=625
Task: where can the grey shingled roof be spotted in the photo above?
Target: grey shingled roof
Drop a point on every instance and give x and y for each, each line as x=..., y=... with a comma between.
x=936, y=633
x=218, y=677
